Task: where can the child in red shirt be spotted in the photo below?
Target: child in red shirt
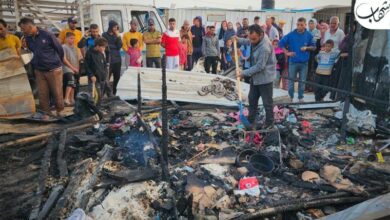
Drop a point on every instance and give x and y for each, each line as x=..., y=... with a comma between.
x=183, y=52
x=135, y=54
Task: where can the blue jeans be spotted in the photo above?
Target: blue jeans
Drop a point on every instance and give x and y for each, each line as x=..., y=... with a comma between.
x=293, y=69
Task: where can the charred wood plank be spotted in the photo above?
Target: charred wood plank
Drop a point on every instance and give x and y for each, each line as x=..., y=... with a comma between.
x=65, y=202
x=61, y=162
x=55, y=193
x=42, y=178
x=304, y=205
x=131, y=176
x=35, y=156
x=42, y=136
x=86, y=190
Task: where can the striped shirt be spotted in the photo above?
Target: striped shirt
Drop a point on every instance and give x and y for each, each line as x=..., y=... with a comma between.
x=326, y=61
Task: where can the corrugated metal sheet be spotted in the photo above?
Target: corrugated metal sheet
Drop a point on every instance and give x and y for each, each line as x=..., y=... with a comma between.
x=16, y=99
x=181, y=85
x=237, y=15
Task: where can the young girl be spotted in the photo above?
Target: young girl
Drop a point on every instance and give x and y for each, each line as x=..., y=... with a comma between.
x=228, y=55
x=280, y=62
x=183, y=52
x=135, y=54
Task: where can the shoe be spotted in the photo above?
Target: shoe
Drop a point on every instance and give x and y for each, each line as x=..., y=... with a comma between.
x=301, y=100
x=291, y=100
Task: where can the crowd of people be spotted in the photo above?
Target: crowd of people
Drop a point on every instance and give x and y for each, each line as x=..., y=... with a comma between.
x=265, y=54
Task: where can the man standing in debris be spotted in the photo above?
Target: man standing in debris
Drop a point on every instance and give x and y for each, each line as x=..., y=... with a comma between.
x=170, y=41
x=47, y=63
x=261, y=72
x=71, y=28
x=299, y=43
x=8, y=40
x=152, y=39
x=210, y=49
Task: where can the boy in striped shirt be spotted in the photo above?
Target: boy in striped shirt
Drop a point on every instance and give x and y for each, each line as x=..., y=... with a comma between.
x=326, y=59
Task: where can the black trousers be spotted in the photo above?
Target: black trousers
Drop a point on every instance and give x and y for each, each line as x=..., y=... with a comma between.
x=211, y=62
x=265, y=92
x=196, y=54
x=324, y=80
x=115, y=70
x=190, y=64
x=156, y=61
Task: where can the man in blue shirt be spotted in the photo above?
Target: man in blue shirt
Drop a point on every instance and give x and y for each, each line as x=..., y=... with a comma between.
x=47, y=64
x=297, y=46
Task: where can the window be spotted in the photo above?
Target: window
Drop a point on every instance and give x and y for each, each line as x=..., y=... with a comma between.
x=157, y=24
x=111, y=15
x=142, y=18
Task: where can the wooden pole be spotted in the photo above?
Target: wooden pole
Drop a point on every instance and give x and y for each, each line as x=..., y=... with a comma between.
x=164, y=114
x=237, y=70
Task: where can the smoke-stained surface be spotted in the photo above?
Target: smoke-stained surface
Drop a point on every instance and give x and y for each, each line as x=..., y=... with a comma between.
x=370, y=64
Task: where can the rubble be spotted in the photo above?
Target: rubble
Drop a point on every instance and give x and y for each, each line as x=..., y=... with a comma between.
x=113, y=168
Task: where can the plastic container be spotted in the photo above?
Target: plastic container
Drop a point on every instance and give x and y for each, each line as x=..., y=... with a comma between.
x=261, y=163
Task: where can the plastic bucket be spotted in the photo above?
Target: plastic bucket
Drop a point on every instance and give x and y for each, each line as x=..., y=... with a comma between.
x=261, y=163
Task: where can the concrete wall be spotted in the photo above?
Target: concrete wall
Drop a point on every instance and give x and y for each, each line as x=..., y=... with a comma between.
x=325, y=14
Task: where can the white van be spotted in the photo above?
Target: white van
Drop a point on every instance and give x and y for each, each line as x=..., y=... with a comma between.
x=101, y=12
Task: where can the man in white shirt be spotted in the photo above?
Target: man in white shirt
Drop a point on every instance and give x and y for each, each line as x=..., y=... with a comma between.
x=271, y=31
x=334, y=33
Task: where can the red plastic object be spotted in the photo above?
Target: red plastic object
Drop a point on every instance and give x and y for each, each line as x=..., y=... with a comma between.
x=306, y=127
x=248, y=183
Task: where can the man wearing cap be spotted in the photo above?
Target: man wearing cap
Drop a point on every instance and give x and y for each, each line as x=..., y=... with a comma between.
x=71, y=28
x=280, y=28
x=152, y=39
x=132, y=34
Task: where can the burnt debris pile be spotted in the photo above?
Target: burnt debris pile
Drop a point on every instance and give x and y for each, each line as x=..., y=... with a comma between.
x=114, y=168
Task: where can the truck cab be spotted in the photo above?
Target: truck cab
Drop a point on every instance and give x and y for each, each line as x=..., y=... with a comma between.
x=101, y=13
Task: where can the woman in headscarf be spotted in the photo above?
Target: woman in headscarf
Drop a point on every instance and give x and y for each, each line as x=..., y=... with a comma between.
x=238, y=26
x=186, y=30
x=198, y=32
x=313, y=29
x=221, y=35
